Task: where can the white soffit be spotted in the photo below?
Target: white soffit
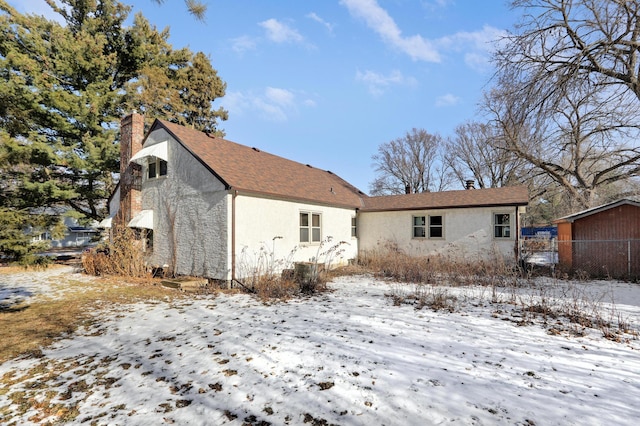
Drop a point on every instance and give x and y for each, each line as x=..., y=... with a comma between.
x=144, y=219
x=158, y=150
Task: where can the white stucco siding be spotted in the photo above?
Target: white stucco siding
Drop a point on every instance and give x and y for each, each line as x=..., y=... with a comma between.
x=468, y=233
x=190, y=215
x=261, y=221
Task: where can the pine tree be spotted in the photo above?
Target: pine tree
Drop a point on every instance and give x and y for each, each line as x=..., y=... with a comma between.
x=63, y=89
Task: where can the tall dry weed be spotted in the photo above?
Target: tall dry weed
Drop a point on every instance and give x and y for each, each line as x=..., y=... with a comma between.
x=122, y=256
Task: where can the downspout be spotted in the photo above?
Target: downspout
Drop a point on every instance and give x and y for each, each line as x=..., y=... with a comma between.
x=518, y=253
x=234, y=194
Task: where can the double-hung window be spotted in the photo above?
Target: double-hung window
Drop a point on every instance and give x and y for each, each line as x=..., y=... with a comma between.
x=354, y=227
x=502, y=225
x=310, y=227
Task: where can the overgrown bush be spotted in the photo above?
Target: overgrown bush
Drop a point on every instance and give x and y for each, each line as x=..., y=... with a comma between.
x=122, y=256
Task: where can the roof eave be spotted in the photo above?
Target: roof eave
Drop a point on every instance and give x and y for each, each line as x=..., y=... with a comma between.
x=458, y=206
x=263, y=194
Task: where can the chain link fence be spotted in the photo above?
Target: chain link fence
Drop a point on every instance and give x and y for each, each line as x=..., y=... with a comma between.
x=619, y=259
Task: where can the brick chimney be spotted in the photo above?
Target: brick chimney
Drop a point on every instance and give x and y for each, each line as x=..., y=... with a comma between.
x=131, y=136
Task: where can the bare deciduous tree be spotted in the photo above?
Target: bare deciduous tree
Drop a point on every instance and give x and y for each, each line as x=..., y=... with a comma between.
x=560, y=41
x=582, y=142
x=412, y=163
x=477, y=152
x=568, y=92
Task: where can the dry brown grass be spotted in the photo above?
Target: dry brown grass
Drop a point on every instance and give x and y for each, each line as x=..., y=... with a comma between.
x=26, y=328
x=16, y=269
x=390, y=263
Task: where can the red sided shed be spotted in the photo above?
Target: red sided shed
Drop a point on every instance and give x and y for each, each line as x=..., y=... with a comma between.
x=603, y=241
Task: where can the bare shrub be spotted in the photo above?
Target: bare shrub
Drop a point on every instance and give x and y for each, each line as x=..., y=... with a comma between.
x=122, y=256
x=389, y=262
x=274, y=287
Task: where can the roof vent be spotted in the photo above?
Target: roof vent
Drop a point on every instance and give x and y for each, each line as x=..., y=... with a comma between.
x=330, y=172
x=255, y=149
x=310, y=166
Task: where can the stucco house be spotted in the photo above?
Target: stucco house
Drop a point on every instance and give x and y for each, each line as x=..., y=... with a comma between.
x=209, y=207
x=472, y=224
x=602, y=241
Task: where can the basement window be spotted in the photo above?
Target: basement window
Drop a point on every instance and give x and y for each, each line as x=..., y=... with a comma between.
x=310, y=227
x=502, y=225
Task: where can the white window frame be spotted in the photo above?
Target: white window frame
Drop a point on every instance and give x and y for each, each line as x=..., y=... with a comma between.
x=310, y=227
x=157, y=163
x=354, y=227
x=495, y=225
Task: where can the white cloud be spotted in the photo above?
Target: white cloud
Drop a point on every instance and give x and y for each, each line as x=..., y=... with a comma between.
x=321, y=21
x=379, y=20
x=447, y=100
x=273, y=104
x=243, y=43
x=478, y=46
x=279, y=32
x=281, y=97
x=378, y=83
x=475, y=46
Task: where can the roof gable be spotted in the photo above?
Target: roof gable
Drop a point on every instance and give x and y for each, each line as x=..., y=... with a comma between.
x=506, y=196
x=251, y=170
x=594, y=210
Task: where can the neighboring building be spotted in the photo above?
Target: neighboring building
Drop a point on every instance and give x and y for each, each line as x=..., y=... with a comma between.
x=214, y=208
x=76, y=235
x=603, y=241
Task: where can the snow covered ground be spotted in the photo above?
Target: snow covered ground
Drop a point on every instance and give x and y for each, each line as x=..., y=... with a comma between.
x=348, y=357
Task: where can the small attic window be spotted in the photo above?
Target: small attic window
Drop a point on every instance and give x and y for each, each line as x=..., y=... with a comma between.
x=156, y=167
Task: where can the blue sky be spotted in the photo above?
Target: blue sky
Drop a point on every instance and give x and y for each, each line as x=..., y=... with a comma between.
x=325, y=82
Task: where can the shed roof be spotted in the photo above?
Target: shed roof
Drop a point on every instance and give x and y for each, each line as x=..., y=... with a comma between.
x=251, y=170
x=506, y=196
x=579, y=215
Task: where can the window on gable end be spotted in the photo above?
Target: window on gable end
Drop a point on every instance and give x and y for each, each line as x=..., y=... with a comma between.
x=156, y=167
